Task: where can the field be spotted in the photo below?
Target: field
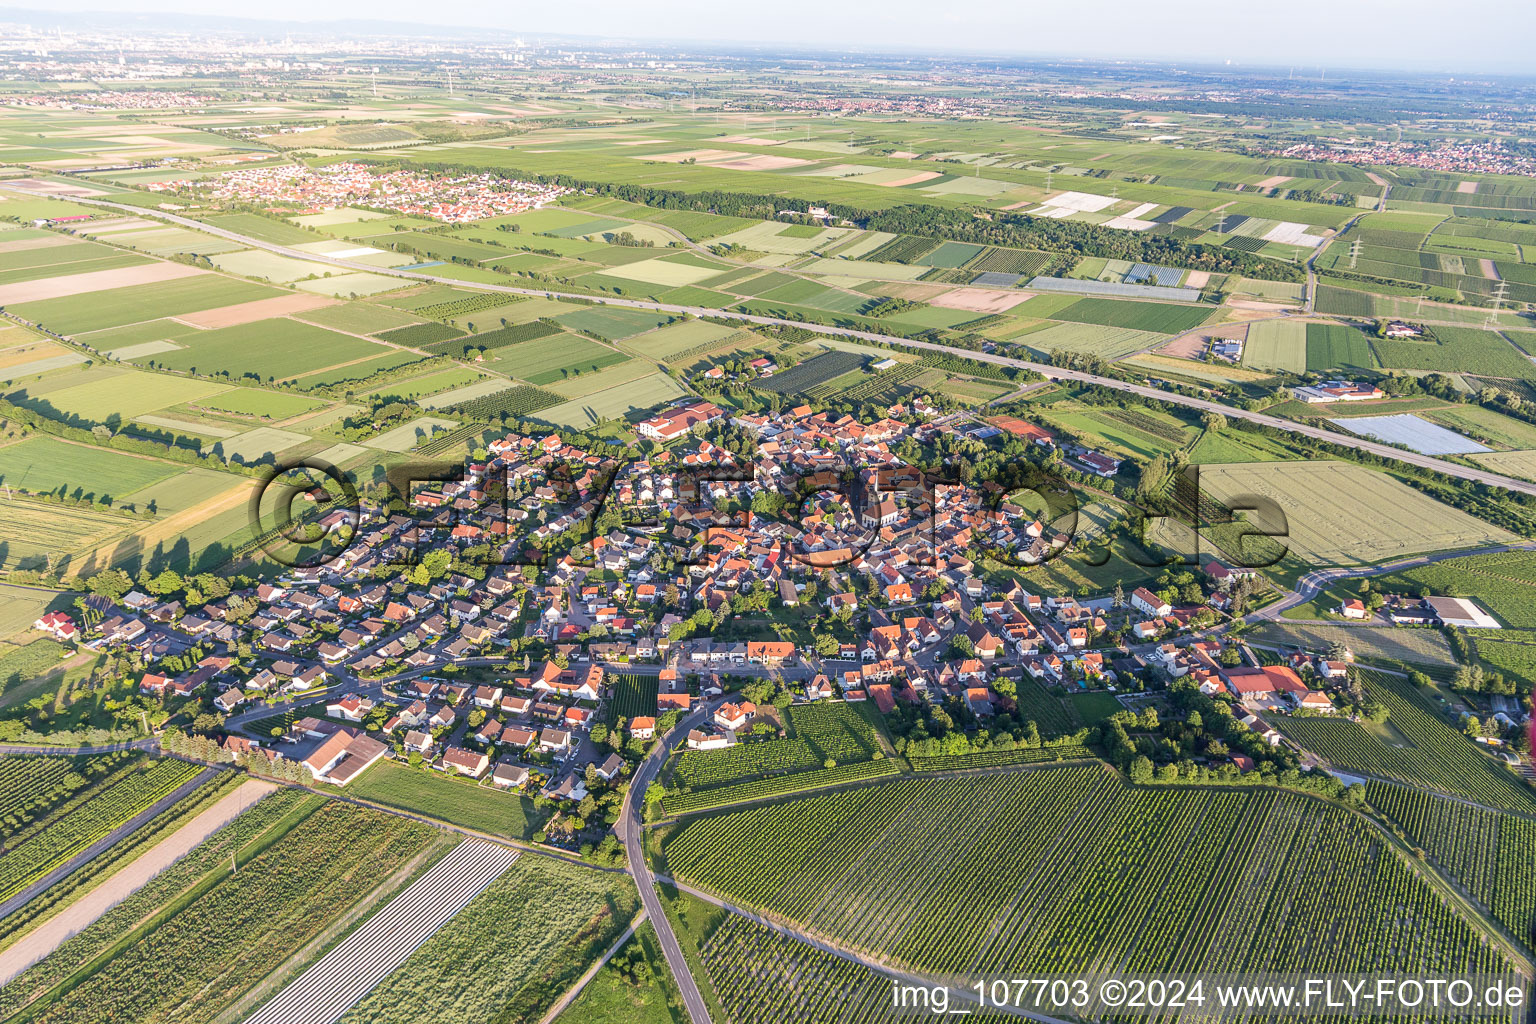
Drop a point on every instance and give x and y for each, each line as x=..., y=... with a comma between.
x=275, y=405
x=634, y=987
x=836, y=730
x=1492, y=855
x=1277, y=345
x=125, y=395
x=805, y=377
x=511, y=952
x=244, y=925
x=612, y=324
x=1411, y=431
x=1457, y=350
x=779, y=785
x=42, y=464
x=547, y=360
x=268, y=350
x=1413, y=646
x=1337, y=513
x=437, y=796
x=633, y=694
x=623, y=400
x=1161, y=317
x=1059, y=869
x=330, y=987
x=1439, y=758
x=1332, y=346
x=118, y=306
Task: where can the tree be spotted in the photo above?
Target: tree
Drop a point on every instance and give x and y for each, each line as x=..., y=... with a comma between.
x=1214, y=422
x=110, y=583
x=1141, y=770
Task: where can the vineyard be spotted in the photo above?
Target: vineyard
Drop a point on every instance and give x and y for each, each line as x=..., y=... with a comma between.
x=778, y=785
x=698, y=769
x=1024, y=262
x=1492, y=855
x=1037, y=705
x=1148, y=424
x=522, y=400
x=420, y=334
x=1505, y=583
x=994, y=758
x=882, y=385
x=157, y=896
x=1439, y=758
x=499, y=338
x=815, y=371
x=633, y=694
x=439, y=443
x=30, y=787
x=834, y=729
x=972, y=367
x=510, y=952
x=1063, y=869
x=345, y=974
x=764, y=977
x=472, y=303
x=1516, y=661
x=903, y=249
x=195, y=962
x=93, y=819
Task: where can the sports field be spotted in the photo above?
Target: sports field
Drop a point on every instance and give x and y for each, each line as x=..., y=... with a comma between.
x=1337, y=513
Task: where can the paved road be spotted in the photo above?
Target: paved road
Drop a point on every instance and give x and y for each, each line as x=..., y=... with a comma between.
x=1318, y=580
x=88, y=854
x=1045, y=370
x=632, y=830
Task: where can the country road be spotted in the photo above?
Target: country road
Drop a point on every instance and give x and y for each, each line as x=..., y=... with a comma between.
x=632, y=831
x=1044, y=369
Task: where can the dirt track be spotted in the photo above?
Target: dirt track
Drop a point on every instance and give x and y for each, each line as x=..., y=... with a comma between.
x=47, y=937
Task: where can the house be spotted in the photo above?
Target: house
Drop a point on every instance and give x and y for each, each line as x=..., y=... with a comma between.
x=58, y=625
x=1316, y=700
x=679, y=420
x=1458, y=611
x=343, y=756
x=554, y=740
x=509, y=776
x=351, y=707
x=610, y=768
x=735, y=716
x=699, y=739
x=1245, y=682
x=642, y=727
x=1353, y=608
x=1148, y=603
x=1398, y=329
x=466, y=762
x=770, y=653
x=571, y=787
x=1099, y=464
x=421, y=742
x=487, y=696
x=230, y=699
x=515, y=736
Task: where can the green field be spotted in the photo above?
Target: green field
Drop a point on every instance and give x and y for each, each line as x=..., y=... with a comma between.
x=43, y=464
x=268, y=349
x=446, y=799
x=77, y=314
x=127, y=395
x=546, y=360
x=1334, y=346
x=1277, y=345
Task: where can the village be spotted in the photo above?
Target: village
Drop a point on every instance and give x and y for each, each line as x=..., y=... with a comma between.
x=781, y=574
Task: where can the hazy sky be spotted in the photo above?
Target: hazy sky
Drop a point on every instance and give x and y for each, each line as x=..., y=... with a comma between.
x=1465, y=37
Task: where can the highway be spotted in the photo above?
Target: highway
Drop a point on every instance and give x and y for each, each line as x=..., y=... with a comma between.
x=631, y=829
x=1044, y=369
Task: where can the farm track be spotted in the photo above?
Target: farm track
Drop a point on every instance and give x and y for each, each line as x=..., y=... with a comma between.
x=326, y=991
x=1045, y=370
x=47, y=937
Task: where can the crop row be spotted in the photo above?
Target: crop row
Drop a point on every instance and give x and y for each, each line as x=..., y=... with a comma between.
x=993, y=758
x=90, y=821
x=1439, y=758
x=30, y=786
x=1011, y=261
x=1062, y=869
x=834, y=729
x=779, y=785
x=472, y=303
x=192, y=965
x=633, y=694
x=903, y=249
x=1492, y=855
x=522, y=400
x=697, y=769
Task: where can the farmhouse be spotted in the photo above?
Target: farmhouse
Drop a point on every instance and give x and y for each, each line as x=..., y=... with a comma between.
x=1458, y=611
